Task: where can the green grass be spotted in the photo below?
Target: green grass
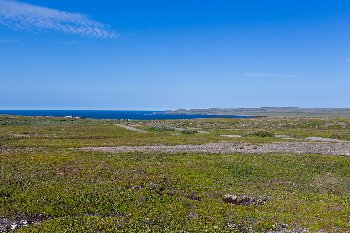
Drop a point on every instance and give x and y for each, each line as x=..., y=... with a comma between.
x=60, y=132
x=136, y=192
x=304, y=190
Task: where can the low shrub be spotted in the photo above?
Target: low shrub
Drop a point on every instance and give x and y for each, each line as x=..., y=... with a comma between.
x=189, y=131
x=160, y=128
x=340, y=136
x=261, y=133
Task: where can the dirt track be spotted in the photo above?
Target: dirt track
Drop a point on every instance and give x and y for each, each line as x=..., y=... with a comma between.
x=130, y=128
x=284, y=147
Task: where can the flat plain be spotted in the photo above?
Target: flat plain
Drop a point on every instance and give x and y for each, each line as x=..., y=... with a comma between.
x=203, y=175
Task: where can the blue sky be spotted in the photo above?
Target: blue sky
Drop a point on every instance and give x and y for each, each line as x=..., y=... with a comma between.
x=155, y=54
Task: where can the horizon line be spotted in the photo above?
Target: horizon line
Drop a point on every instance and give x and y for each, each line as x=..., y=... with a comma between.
x=161, y=110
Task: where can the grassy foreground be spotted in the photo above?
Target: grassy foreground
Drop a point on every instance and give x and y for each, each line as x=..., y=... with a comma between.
x=135, y=192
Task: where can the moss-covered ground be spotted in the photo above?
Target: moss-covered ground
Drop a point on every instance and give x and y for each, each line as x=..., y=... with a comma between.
x=78, y=191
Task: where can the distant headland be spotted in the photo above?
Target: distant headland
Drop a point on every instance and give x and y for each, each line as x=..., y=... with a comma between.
x=269, y=111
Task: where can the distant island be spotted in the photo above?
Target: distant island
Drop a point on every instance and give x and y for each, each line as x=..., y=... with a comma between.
x=269, y=111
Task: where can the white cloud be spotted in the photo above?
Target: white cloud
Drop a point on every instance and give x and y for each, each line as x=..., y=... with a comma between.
x=22, y=16
x=271, y=75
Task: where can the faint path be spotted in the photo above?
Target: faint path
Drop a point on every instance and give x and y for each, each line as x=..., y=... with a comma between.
x=282, y=136
x=130, y=128
x=320, y=139
x=282, y=147
x=231, y=136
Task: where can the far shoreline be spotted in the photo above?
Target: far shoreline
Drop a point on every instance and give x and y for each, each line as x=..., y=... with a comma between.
x=115, y=114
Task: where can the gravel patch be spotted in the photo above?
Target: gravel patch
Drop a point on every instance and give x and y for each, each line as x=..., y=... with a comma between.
x=11, y=224
x=282, y=147
x=8, y=150
x=282, y=136
x=320, y=139
x=231, y=136
x=298, y=230
x=202, y=132
x=244, y=199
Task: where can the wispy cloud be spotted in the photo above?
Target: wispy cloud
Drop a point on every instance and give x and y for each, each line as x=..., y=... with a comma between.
x=74, y=43
x=270, y=75
x=8, y=41
x=347, y=60
x=22, y=16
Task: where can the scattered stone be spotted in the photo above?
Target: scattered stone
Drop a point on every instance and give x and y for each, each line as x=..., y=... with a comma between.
x=297, y=230
x=244, y=199
x=230, y=224
x=193, y=215
x=162, y=187
x=10, y=224
x=136, y=187
x=279, y=227
x=242, y=225
x=194, y=197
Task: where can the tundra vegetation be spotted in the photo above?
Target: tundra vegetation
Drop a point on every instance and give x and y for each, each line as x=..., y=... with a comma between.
x=48, y=185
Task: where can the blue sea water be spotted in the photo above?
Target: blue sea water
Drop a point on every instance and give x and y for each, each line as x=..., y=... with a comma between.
x=113, y=114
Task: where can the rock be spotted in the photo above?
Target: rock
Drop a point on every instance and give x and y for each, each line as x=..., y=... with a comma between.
x=24, y=223
x=137, y=187
x=10, y=224
x=229, y=198
x=244, y=199
x=13, y=226
x=194, y=197
x=193, y=215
